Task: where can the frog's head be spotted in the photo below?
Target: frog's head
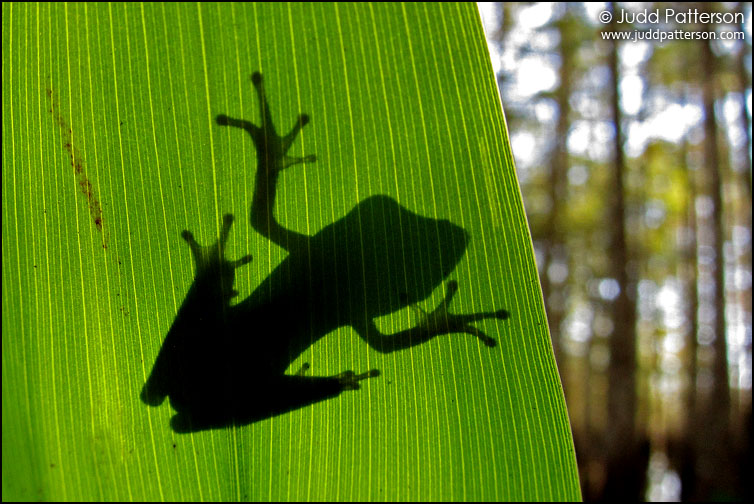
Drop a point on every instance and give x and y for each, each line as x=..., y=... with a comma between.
x=401, y=256
x=432, y=248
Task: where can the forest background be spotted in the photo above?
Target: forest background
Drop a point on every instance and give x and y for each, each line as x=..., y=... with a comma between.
x=634, y=158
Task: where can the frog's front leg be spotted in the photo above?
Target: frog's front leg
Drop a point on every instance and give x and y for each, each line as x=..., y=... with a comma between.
x=281, y=394
x=438, y=321
x=272, y=158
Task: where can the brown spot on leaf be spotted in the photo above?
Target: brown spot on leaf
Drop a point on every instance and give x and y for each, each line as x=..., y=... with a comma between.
x=77, y=162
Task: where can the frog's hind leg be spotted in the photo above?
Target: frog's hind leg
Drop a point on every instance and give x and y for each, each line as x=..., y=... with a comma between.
x=438, y=321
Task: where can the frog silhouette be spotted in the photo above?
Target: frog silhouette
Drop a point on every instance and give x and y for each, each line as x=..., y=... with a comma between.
x=223, y=364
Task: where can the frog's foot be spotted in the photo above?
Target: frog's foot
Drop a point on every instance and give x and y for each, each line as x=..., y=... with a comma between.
x=286, y=142
x=350, y=380
x=273, y=147
x=303, y=369
x=277, y=146
x=213, y=256
x=441, y=321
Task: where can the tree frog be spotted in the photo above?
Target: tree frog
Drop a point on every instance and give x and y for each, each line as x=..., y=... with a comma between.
x=225, y=364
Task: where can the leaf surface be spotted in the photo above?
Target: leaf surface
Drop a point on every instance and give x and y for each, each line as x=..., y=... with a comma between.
x=110, y=150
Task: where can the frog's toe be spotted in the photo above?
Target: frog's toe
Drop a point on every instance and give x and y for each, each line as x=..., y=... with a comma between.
x=350, y=380
x=294, y=160
x=303, y=369
x=240, y=262
x=480, y=335
x=196, y=249
x=180, y=423
x=188, y=236
x=225, y=231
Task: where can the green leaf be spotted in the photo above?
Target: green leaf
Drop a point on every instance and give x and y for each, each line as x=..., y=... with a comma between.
x=110, y=151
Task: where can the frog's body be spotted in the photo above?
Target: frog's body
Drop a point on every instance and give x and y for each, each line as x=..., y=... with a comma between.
x=223, y=363
x=336, y=281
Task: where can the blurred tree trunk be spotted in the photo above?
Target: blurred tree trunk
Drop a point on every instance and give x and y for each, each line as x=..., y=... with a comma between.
x=712, y=469
x=626, y=463
x=555, y=251
x=744, y=442
x=683, y=452
x=744, y=82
